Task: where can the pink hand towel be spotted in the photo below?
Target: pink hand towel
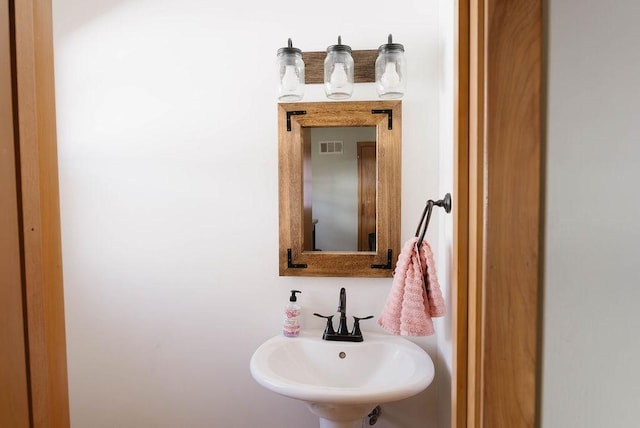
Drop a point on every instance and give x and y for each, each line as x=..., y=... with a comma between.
x=409, y=307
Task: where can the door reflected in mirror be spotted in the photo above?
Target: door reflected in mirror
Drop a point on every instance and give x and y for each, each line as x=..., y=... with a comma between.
x=340, y=189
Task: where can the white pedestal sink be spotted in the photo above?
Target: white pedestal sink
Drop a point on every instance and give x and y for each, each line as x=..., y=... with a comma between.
x=342, y=382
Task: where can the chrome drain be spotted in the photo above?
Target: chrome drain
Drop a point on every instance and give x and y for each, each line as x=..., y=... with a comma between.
x=342, y=355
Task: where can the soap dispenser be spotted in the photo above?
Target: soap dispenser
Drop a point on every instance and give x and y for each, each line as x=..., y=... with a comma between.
x=291, y=326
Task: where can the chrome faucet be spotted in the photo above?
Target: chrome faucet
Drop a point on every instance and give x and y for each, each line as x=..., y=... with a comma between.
x=343, y=333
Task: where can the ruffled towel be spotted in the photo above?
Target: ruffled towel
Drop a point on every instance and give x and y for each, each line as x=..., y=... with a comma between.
x=409, y=307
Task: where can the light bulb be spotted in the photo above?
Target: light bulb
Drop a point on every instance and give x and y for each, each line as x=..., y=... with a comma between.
x=290, y=79
x=390, y=78
x=339, y=76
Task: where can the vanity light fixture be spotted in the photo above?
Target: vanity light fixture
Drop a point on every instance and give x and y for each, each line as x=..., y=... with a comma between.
x=340, y=67
x=338, y=71
x=291, y=85
x=391, y=70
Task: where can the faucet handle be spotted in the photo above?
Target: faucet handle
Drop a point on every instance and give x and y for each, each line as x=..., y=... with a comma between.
x=329, y=328
x=356, y=325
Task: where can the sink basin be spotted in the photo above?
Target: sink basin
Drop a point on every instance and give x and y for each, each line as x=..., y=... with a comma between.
x=342, y=381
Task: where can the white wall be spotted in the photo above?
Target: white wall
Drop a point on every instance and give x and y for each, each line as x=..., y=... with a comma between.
x=591, y=376
x=168, y=174
x=444, y=223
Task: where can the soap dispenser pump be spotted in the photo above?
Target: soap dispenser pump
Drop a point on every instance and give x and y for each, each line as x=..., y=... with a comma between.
x=291, y=326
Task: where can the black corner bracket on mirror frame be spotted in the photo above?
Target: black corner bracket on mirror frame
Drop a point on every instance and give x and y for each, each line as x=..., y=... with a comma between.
x=389, y=114
x=388, y=264
x=293, y=113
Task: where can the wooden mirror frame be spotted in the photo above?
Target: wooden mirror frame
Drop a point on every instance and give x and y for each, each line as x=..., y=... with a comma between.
x=294, y=122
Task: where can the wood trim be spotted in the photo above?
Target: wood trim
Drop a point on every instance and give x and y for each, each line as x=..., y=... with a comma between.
x=461, y=216
x=14, y=389
x=475, y=345
x=41, y=214
x=503, y=92
x=512, y=224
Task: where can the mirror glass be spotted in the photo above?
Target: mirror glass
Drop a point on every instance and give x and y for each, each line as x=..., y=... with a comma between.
x=340, y=189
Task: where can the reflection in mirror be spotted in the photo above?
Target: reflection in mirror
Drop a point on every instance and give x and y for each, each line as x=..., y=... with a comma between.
x=315, y=189
x=340, y=185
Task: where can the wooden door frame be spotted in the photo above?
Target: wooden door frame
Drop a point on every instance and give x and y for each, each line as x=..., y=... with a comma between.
x=38, y=206
x=497, y=224
x=14, y=386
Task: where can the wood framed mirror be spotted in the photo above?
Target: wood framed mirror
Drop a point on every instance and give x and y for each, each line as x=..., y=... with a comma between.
x=339, y=166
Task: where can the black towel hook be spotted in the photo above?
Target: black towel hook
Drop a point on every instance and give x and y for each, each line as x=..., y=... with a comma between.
x=426, y=213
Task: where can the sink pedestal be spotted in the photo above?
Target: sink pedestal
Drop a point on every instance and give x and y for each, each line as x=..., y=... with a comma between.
x=326, y=423
x=340, y=416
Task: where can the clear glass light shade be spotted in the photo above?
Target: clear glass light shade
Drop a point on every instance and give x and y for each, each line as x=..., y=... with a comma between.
x=391, y=69
x=338, y=71
x=291, y=82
